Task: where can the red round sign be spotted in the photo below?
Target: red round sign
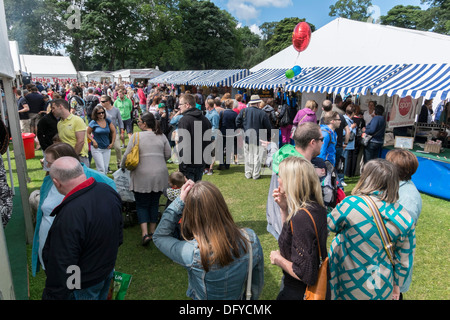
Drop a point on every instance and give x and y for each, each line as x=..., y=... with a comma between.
x=405, y=105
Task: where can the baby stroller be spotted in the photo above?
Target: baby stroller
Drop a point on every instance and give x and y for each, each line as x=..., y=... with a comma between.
x=122, y=181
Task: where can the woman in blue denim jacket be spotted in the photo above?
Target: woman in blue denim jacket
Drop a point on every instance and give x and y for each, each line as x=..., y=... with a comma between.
x=214, y=250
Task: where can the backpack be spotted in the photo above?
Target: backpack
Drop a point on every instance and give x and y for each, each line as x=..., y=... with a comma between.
x=79, y=109
x=289, y=116
x=91, y=103
x=329, y=186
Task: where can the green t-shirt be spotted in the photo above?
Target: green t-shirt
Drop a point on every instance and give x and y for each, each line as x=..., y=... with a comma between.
x=288, y=150
x=125, y=107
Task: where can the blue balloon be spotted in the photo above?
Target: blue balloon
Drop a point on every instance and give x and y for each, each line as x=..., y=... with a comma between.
x=297, y=70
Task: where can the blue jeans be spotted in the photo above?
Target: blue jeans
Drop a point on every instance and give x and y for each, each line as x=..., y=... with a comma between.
x=147, y=205
x=192, y=173
x=95, y=292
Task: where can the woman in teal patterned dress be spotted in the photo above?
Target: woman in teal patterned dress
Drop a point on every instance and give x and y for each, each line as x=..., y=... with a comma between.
x=359, y=265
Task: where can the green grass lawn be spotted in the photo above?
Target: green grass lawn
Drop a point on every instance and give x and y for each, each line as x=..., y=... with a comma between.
x=155, y=277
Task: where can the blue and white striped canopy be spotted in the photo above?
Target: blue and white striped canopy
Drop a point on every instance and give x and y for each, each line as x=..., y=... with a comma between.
x=418, y=80
x=165, y=77
x=185, y=77
x=180, y=77
x=343, y=80
x=220, y=78
x=266, y=79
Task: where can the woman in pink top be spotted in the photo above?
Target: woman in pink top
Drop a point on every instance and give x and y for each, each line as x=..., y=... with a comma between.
x=307, y=114
x=241, y=105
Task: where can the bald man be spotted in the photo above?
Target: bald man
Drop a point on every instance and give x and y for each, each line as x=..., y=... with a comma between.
x=82, y=244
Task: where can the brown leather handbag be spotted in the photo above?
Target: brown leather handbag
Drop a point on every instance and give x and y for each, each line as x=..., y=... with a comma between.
x=318, y=291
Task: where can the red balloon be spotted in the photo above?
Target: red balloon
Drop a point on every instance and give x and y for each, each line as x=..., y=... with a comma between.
x=301, y=36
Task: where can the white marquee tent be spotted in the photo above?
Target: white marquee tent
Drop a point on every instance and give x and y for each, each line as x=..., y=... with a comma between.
x=344, y=42
x=49, y=68
x=131, y=75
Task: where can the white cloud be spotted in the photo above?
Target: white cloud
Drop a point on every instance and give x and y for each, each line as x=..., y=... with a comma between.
x=270, y=3
x=256, y=30
x=243, y=11
x=248, y=9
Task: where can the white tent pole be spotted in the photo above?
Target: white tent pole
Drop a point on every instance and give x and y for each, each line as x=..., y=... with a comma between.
x=19, y=154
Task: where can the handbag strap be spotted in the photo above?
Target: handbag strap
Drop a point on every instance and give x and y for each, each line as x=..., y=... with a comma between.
x=137, y=134
x=248, y=294
x=315, y=228
x=385, y=238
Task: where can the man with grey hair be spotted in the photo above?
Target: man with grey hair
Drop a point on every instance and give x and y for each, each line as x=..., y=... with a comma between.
x=256, y=126
x=82, y=244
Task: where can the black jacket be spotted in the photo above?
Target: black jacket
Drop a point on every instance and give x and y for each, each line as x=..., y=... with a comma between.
x=254, y=121
x=87, y=233
x=47, y=128
x=191, y=150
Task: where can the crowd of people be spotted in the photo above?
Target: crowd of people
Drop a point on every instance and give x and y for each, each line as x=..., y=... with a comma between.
x=85, y=122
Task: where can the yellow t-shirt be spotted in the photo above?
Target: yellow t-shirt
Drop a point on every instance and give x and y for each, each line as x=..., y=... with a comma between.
x=67, y=129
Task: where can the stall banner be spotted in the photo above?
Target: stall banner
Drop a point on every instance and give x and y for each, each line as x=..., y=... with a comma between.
x=51, y=79
x=403, y=111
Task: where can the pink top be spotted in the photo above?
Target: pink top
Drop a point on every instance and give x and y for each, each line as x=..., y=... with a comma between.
x=305, y=115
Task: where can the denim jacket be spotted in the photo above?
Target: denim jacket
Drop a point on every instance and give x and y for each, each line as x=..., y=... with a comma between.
x=219, y=283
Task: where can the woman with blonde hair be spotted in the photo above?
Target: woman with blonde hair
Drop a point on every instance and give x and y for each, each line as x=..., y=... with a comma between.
x=361, y=267
x=307, y=114
x=213, y=249
x=302, y=210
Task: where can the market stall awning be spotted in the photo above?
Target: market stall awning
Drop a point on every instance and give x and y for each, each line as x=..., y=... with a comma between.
x=418, y=80
x=165, y=77
x=266, y=79
x=184, y=77
x=220, y=78
x=188, y=76
x=343, y=80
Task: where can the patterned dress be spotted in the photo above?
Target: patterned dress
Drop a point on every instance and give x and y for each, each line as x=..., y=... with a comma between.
x=359, y=266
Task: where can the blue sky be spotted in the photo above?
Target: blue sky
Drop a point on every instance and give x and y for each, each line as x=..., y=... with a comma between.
x=253, y=13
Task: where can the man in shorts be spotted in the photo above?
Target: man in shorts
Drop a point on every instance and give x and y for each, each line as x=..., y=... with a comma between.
x=125, y=106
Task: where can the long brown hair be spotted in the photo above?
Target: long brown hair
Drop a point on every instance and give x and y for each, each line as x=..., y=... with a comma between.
x=206, y=218
x=378, y=175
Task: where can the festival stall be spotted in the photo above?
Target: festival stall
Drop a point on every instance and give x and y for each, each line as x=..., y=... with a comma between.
x=97, y=76
x=391, y=65
x=135, y=75
x=408, y=88
x=49, y=68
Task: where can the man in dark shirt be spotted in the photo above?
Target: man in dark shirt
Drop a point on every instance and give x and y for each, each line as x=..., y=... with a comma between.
x=256, y=126
x=47, y=129
x=82, y=244
x=192, y=140
x=24, y=118
x=37, y=107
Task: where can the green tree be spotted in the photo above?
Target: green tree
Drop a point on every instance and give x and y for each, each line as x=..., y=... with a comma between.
x=34, y=25
x=111, y=27
x=410, y=17
x=351, y=9
x=440, y=13
x=159, y=42
x=282, y=35
x=208, y=35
